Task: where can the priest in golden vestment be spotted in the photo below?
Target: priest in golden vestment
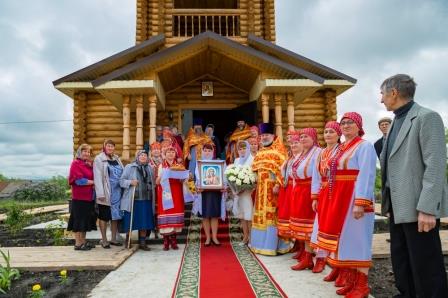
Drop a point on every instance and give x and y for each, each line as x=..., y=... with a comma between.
x=267, y=165
x=195, y=140
x=241, y=133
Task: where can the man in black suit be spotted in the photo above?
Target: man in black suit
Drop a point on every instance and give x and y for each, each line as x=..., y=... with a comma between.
x=383, y=125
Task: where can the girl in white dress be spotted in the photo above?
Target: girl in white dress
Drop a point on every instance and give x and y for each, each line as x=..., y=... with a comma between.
x=243, y=200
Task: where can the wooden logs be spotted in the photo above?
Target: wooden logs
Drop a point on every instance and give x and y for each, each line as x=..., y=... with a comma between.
x=152, y=118
x=103, y=121
x=79, y=120
x=126, y=127
x=330, y=105
x=278, y=114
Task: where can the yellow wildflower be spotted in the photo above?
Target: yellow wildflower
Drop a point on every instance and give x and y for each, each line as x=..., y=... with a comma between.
x=36, y=288
x=63, y=273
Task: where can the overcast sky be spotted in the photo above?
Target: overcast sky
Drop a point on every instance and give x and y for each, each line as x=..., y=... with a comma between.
x=44, y=40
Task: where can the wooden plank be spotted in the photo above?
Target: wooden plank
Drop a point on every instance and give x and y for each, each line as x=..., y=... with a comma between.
x=381, y=247
x=378, y=212
x=54, y=258
x=39, y=210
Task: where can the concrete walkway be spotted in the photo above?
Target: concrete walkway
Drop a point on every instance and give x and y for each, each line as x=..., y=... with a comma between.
x=298, y=283
x=145, y=274
x=153, y=274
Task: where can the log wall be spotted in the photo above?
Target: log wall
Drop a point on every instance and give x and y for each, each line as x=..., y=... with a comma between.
x=96, y=119
x=191, y=95
x=156, y=16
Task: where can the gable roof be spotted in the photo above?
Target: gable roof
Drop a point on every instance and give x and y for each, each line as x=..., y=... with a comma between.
x=118, y=60
x=151, y=55
x=204, y=41
x=296, y=59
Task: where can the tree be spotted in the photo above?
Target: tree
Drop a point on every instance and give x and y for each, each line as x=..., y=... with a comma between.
x=3, y=178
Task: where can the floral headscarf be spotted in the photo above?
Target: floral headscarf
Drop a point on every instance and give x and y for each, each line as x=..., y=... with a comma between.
x=311, y=132
x=334, y=125
x=357, y=119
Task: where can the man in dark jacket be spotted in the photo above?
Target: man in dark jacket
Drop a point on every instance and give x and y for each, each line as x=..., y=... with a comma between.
x=209, y=130
x=383, y=125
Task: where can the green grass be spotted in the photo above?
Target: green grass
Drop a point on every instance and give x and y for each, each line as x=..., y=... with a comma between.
x=6, y=204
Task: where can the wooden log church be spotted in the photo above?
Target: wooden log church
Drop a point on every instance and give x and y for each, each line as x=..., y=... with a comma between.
x=214, y=59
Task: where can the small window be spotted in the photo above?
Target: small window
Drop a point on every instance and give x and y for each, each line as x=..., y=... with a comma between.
x=209, y=4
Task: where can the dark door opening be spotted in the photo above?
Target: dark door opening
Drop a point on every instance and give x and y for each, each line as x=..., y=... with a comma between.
x=225, y=120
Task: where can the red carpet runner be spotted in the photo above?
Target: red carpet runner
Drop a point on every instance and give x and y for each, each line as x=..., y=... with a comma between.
x=222, y=271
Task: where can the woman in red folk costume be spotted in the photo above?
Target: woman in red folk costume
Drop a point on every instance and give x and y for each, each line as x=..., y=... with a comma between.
x=302, y=215
x=319, y=192
x=346, y=222
x=170, y=141
x=285, y=194
x=170, y=219
x=155, y=158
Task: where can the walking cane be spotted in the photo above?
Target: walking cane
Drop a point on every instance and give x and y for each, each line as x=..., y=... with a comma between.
x=132, y=217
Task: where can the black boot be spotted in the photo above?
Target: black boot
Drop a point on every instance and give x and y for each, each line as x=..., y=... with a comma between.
x=142, y=245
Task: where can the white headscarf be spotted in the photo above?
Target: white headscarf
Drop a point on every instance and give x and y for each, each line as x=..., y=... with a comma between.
x=242, y=160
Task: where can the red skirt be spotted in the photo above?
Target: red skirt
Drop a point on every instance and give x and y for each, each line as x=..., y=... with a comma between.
x=174, y=217
x=283, y=209
x=332, y=209
x=302, y=214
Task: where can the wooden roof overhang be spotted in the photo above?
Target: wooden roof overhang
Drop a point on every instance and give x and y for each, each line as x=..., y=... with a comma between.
x=254, y=69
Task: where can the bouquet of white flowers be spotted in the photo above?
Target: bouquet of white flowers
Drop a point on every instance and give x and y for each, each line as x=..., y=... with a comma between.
x=240, y=178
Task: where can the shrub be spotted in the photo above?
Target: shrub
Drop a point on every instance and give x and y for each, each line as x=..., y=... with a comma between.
x=44, y=191
x=56, y=232
x=61, y=181
x=16, y=219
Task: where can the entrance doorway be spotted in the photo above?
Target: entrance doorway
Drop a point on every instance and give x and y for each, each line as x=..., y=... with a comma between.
x=225, y=120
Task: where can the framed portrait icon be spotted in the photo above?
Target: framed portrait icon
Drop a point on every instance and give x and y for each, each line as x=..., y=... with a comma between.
x=211, y=174
x=207, y=88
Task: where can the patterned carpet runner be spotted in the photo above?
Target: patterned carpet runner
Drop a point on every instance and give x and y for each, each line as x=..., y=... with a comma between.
x=222, y=271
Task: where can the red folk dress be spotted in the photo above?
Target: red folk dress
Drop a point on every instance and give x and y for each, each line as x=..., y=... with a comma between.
x=302, y=214
x=170, y=221
x=284, y=200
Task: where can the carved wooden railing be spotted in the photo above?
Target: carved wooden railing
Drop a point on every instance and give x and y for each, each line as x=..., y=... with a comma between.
x=191, y=22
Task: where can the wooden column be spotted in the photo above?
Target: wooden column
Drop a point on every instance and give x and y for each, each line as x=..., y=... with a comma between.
x=126, y=126
x=139, y=122
x=278, y=97
x=152, y=118
x=265, y=107
x=290, y=110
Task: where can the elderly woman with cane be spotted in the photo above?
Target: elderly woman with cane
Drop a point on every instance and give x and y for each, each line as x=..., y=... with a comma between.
x=137, y=203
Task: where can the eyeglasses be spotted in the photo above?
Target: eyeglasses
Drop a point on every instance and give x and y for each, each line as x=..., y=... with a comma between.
x=348, y=122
